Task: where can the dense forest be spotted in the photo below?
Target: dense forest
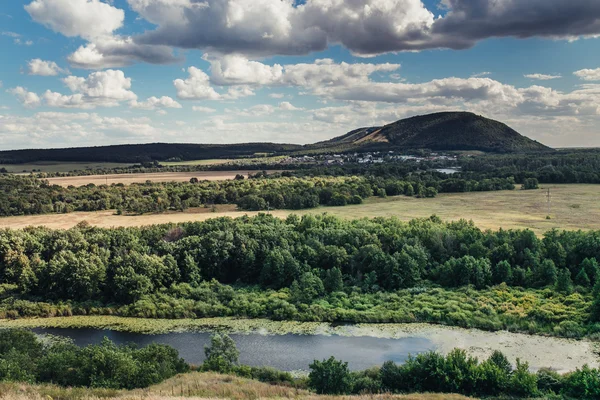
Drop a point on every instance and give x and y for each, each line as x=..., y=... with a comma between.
x=314, y=268
x=26, y=195
x=28, y=359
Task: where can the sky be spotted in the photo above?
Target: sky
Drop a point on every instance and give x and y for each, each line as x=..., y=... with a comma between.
x=98, y=72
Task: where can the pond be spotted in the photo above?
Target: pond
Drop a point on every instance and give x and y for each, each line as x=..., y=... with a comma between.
x=284, y=352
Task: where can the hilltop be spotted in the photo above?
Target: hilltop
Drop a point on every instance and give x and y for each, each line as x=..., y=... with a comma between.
x=441, y=131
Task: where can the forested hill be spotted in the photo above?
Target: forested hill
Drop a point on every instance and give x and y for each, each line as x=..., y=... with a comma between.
x=441, y=131
x=137, y=153
x=444, y=131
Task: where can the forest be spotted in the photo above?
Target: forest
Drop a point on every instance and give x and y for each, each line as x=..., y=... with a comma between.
x=314, y=268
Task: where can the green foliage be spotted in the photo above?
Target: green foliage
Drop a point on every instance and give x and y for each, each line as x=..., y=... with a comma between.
x=530, y=184
x=330, y=377
x=24, y=358
x=564, y=283
x=222, y=355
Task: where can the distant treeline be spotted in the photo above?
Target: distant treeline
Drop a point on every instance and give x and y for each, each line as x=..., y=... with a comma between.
x=328, y=267
x=27, y=195
x=138, y=153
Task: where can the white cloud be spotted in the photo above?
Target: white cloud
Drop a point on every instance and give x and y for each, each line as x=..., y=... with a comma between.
x=28, y=99
x=203, y=109
x=238, y=70
x=196, y=86
x=542, y=77
x=481, y=74
x=154, y=102
x=287, y=106
x=276, y=95
x=86, y=18
x=588, y=74
x=44, y=68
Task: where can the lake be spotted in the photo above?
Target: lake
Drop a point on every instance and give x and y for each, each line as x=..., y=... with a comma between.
x=284, y=352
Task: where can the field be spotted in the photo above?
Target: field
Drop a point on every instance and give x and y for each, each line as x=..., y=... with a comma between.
x=572, y=207
x=193, y=386
x=51, y=166
x=127, y=179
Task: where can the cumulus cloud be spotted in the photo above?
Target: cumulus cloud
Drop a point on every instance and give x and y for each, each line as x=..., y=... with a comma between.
x=365, y=27
x=28, y=99
x=287, y=106
x=203, y=109
x=238, y=70
x=588, y=74
x=100, y=89
x=86, y=18
x=542, y=77
x=44, y=68
x=196, y=86
x=96, y=22
x=154, y=103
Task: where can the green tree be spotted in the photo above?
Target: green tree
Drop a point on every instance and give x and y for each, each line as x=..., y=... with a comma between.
x=591, y=269
x=545, y=274
x=564, y=284
x=333, y=280
x=522, y=382
x=330, y=377
x=307, y=288
x=582, y=278
x=222, y=354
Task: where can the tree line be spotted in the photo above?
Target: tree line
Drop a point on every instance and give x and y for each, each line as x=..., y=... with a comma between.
x=27, y=195
x=313, y=259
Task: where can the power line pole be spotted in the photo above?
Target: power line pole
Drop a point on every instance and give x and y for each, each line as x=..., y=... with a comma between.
x=549, y=197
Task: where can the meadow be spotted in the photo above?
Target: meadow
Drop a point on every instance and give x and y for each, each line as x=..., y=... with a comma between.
x=194, y=386
x=573, y=207
x=127, y=179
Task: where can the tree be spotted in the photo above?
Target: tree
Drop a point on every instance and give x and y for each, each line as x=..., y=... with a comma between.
x=545, y=274
x=564, y=284
x=333, y=280
x=307, y=288
x=582, y=278
x=502, y=272
x=591, y=269
x=530, y=184
x=330, y=377
x=522, y=382
x=222, y=354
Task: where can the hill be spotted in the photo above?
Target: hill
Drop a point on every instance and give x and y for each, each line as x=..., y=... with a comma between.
x=440, y=131
x=444, y=131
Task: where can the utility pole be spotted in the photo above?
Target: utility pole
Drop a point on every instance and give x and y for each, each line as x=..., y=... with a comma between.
x=549, y=197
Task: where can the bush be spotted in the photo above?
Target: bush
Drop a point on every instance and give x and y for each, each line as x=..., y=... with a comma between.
x=330, y=377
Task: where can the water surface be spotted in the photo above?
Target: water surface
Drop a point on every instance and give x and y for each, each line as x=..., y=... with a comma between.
x=285, y=352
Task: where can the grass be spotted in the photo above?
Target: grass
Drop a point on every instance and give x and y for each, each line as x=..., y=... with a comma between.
x=127, y=179
x=223, y=161
x=573, y=207
x=52, y=166
x=193, y=386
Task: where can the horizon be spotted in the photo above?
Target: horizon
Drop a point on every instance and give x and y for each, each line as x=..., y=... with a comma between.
x=83, y=73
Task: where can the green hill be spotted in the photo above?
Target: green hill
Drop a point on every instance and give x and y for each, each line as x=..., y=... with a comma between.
x=444, y=131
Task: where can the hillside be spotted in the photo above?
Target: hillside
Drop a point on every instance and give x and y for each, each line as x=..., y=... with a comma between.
x=440, y=131
x=445, y=131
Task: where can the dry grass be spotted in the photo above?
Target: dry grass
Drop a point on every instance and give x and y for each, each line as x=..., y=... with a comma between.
x=193, y=386
x=127, y=179
x=573, y=207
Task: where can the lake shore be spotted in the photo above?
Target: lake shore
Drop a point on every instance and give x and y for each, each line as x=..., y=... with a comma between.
x=560, y=354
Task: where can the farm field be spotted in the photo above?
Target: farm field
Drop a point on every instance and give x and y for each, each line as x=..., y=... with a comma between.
x=127, y=179
x=50, y=166
x=572, y=207
x=219, y=161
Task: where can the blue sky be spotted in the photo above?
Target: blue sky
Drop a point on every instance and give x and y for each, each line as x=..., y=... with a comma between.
x=94, y=72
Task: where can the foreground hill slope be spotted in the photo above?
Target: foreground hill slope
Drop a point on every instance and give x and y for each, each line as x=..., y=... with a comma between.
x=440, y=131
x=193, y=386
x=445, y=131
